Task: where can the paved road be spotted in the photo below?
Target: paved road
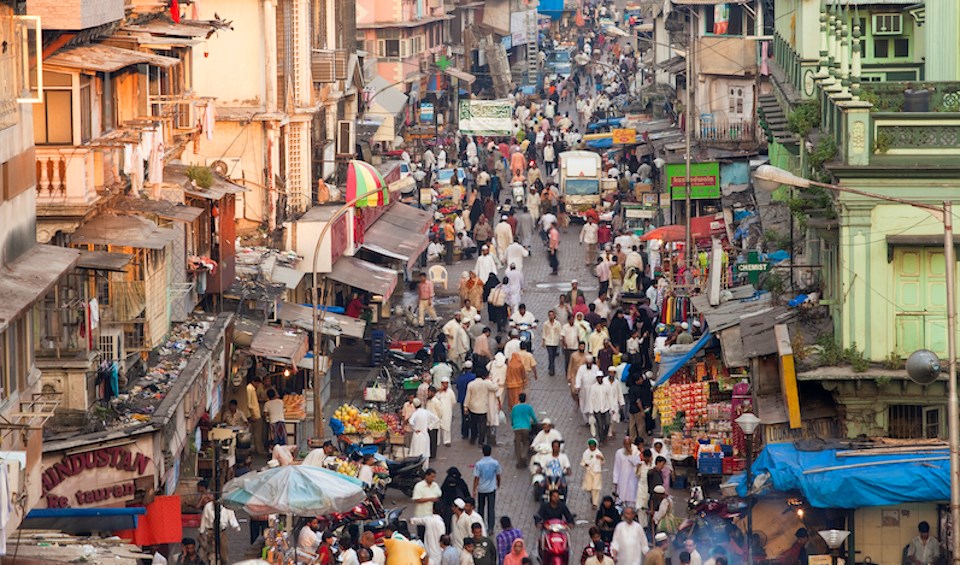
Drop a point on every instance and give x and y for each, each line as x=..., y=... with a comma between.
x=549, y=396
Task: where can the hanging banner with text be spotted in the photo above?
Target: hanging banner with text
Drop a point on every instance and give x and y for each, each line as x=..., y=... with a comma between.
x=486, y=117
x=704, y=180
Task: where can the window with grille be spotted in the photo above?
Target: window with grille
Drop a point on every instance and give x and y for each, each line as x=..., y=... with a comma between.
x=912, y=421
x=887, y=24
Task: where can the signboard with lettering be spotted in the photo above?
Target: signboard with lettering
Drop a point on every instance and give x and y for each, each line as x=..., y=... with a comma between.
x=704, y=180
x=101, y=477
x=624, y=136
x=426, y=112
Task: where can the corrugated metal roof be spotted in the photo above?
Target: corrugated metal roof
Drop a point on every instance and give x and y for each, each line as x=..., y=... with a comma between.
x=160, y=208
x=123, y=231
x=364, y=275
x=279, y=343
x=105, y=58
x=387, y=96
x=161, y=27
x=30, y=276
x=104, y=261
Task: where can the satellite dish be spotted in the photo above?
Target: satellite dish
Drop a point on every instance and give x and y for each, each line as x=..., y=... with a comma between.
x=923, y=366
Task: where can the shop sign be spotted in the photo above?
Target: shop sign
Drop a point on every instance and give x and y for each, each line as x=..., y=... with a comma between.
x=426, y=112
x=704, y=180
x=624, y=136
x=114, y=467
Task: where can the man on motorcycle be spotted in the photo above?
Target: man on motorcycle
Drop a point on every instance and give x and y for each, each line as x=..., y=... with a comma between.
x=547, y=435
x=556, y=468
x=554, y=509
x=523, y=316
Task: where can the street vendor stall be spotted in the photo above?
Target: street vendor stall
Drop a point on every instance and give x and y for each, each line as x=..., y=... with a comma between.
x=698, y=399
x=279, y=350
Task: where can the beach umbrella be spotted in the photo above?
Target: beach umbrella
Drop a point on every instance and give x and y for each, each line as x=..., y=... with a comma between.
x=300, y=490
x=366, y=183
x=666, y=233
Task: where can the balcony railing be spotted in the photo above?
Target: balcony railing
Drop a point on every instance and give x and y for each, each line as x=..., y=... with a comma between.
x=717, y=129
x=65, y=176
x=328, y=65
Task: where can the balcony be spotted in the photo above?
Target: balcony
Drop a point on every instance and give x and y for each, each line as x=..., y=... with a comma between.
x=66, y=179
x=714, y=128
x=918, y=120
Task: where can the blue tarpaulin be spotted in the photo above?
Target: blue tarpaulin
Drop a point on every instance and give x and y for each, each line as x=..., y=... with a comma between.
x=603, y=143
x=670, y=363
x=854, y=481
x=83, y=520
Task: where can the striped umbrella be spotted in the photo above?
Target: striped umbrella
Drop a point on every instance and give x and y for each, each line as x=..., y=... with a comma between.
x=364, y=182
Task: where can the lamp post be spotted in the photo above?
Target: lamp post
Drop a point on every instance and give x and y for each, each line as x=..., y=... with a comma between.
x=769, y=178
x=317, y=378
x=834, y=539
x=749, y=423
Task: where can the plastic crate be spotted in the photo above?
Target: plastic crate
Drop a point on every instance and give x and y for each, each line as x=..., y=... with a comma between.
x=710, y=455
x=733, y=465
x=411, y=384
x=710, y=466
x=406, y=346
x=727, y=450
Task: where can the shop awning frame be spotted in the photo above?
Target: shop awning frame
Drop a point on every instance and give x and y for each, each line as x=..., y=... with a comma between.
x=104, y=261
x=400, y=233
x=123, y=231
x=364, y=275
x=671, y=362
x=105, y=58
x=332, y=324
x=82, y=520
x=279, y=343
x=27, y=278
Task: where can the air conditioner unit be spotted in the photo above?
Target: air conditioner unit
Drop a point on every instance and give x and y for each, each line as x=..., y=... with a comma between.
x=346, y=137
x=110, y=344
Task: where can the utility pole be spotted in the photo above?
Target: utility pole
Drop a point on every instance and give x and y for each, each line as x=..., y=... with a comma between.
x=688, y=240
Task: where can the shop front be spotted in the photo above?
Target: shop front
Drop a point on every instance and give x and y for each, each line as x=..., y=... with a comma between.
x=110, y=475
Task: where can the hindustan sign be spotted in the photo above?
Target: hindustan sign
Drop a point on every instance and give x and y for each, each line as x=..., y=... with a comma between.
x=104, y=476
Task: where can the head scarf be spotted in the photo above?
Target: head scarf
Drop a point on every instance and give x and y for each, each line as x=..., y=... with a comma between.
x=514, y=558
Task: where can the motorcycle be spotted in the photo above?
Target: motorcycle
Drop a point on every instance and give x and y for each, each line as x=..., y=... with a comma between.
x=525, y=330
x=519, y=193
x=405, y=473
x=712, y=521
x=392, y=517
x=370, y=509
x=544, y=483
x=554, y=546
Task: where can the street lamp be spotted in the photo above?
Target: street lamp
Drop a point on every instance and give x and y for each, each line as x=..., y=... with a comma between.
x=769, y=178
x=749, y=423
x=834, y=539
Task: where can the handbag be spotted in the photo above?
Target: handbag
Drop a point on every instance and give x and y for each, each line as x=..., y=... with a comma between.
x=670, y=523
x=375, y=393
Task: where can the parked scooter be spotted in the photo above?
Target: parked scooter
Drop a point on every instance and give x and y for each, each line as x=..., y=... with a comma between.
x=370, y=509
x=405, y=473
x=525, y=331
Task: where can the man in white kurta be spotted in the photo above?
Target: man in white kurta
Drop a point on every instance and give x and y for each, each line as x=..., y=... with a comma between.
x=447, y=400
x=486, y=265
x=625, y=462
x=643, y=487
x=515, y=254
x=584, y=381
x=629, y=543
x=502, y=237
x=420, y=422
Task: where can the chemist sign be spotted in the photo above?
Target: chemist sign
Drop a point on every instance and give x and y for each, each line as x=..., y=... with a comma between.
x=704, y=180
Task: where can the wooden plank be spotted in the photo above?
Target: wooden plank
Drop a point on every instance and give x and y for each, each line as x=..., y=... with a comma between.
x=788, y=375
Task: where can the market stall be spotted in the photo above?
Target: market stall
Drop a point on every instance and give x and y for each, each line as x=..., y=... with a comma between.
x=698, y=399
x=278, y=352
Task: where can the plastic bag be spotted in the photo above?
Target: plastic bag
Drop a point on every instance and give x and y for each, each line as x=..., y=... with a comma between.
x=502, y=417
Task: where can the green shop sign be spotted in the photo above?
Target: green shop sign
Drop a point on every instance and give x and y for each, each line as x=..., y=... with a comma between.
x=704, y=180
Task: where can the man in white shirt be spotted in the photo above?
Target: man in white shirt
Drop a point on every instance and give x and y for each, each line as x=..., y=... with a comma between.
x=924, y=549
x=369, y=542
x=309, y=540
x=547, y=434
x=515, y=254
x=207, y=531
x=550, y=337
x=629, y=543
x=690, y=546
x=585, y=380
x=273, y=411
x=425, y=494
x=433, y=528
x=588, y=235
x=603, y=306
x=523, y=316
